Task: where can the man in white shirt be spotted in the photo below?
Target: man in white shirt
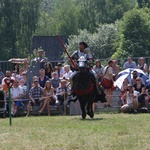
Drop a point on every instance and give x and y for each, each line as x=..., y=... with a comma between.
x=16, y=95
x=68, y=72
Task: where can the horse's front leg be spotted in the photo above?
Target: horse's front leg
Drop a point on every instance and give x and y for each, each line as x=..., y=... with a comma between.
x=90, y=109
x=82, y=105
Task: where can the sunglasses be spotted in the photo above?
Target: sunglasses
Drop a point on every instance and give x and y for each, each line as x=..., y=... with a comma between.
x=137, y=80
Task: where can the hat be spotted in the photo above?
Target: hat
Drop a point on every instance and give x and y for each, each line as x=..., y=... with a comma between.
x=24, y=73
x=63, y=80
x=129, y=85
x=59, y=64
x=98, y=60
x=40, y=50
x=134, y=71
x=55, y=73
x=114, y=61
x=36, y=80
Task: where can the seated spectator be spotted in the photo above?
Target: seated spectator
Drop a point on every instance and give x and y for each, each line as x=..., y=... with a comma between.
x=116, y=69
x=60, y=70
x=130, y=102
x=7, y=75
x=16, y=95
x=129, y=64
x=133, y=79
x=16, y=68
x=15, y=75
x=25, y=64
x=67, y=73
x=42, y=78
x=48, y=70
x=124, y=88
x=142, y=65
x=35, y=96
x=98, y=68
x=1, y=75
x=49, y=97
x=56, y=69
x=62, y=93
x=23, y=88
x=55, y=81
x=24, y=78
x=142, y=97
x=34, y=78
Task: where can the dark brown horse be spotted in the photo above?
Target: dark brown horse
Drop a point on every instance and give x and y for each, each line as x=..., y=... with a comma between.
x=84, y=89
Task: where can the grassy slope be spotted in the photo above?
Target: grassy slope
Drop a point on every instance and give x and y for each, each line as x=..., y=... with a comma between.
x=106, y=131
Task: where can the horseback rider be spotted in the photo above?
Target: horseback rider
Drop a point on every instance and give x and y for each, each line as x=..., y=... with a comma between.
x=84, y=50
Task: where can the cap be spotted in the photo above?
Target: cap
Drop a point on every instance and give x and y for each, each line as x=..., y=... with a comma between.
x=129, y=85
x=63, y=80
x=36, y=80
x=24, y=73
x=40, y=50
x=59, y=64
x=55, y=73
x=114, y=61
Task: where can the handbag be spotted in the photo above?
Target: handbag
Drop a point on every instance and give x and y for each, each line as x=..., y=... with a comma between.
x=106, y=83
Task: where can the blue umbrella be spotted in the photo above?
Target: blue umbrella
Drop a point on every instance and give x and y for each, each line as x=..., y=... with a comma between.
x=127, y=73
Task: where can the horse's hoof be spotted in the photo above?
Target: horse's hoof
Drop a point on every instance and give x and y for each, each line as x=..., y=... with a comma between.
x=83, y=117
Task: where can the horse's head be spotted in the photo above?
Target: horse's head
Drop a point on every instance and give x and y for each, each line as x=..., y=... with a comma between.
x=82, y=64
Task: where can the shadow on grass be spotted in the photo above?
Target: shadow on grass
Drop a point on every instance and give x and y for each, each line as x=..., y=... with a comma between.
x=94, y=119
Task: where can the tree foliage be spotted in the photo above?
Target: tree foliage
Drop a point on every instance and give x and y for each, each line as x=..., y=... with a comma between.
x=68, y=16
x=134, y=34
x=18, y=20
x=100, y=43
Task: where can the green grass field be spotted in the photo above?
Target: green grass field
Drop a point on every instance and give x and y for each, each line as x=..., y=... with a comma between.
x=104, y=132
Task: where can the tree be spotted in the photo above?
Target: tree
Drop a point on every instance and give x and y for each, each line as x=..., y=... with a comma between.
x=143, y=3
x=100, y=43
x=18, y=21
x=133, y=34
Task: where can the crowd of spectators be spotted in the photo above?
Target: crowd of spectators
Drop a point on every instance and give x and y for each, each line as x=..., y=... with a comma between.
x=52, y=86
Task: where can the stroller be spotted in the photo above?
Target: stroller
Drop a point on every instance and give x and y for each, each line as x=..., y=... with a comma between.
x=2, y=104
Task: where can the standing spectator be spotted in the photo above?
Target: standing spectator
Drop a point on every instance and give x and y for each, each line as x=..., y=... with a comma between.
x=55, y=81
x=130, y=63
x=68, y=72
x=48, y=96
x=42, y=78
x=16, y=95
x=60, y=70
x=116, y=69
x=142, y=97
x=61, y=94
x=41, y=59
x=48, y=69
x=142, y=65
x=35, y=96
x=1, y=75
x=108, y=74
x=99, y=68
x=130, y=102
